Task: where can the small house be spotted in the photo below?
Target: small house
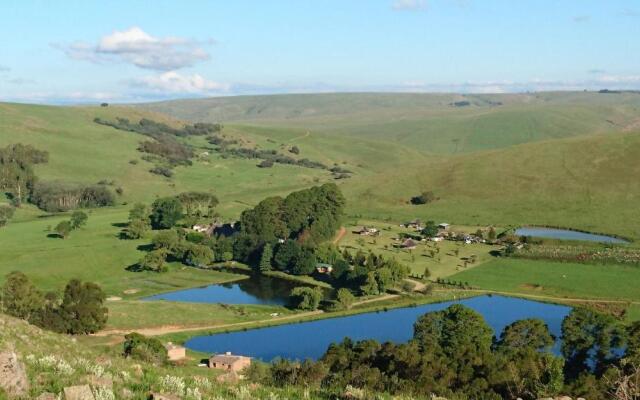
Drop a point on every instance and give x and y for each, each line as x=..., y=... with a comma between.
x=175, y=352
x=409, y=244
x=323, y=268
x=366, y=231
x=202, y=228
x=415, y=224
x=444, y=226
x=229, y=362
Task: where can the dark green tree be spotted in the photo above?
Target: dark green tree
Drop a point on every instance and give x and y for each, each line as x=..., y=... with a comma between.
x=147, y=349
x=154, y=260
x=265, y=258
x=78, y=219
x=63, y=229
x=345, y=298
x=305, y=298
x=166, y=212
x=82, y=307
x=20, y=297
x=526, y=334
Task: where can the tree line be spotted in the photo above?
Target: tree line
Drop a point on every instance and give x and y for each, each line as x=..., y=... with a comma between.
x=454, y=354
x=78, y=310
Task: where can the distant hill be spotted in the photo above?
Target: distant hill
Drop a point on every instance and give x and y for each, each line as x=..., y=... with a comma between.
x=436, y=123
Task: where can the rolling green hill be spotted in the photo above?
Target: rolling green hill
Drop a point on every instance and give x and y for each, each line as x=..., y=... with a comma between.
x=429, y=122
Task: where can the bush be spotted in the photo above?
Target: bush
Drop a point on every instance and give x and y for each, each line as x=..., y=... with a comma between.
x=425, y=197
x=305, y=298
x=140, y=347
x=6, y=213
x=163, y=171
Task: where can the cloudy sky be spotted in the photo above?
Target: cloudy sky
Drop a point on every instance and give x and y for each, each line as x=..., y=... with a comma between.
x=86, y=51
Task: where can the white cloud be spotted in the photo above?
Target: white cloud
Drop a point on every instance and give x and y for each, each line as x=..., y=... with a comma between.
x=137, y=47
x=4, y=68
x=174, y=83
x=409, y=5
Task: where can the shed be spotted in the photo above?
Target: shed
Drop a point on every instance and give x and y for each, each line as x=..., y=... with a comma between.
x=444, y=226
x=229, y=362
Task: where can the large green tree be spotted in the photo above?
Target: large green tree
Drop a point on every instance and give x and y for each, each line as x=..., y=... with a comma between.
x=82, y=307
x=20, y=297
x=166, y=212
x=305, y=298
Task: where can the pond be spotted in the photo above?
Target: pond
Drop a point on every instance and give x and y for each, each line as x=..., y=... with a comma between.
x=565, y=234
x=254, y=289
x=311, y=339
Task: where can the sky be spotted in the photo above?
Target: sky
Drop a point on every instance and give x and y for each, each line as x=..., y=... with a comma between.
x=75, y=51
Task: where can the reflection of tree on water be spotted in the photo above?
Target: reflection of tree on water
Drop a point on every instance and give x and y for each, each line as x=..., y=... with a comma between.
x=266, y=289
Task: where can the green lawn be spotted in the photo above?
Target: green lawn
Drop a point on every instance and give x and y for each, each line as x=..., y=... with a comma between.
x=442, y=265
x=613, y=282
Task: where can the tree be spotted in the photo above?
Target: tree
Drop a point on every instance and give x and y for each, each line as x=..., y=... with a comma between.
x=345, y=298
x=154, y=261
x=430, y=229
x=265, y=258
x=286, y=254
x=589, y=339
x=139, y=211
x=198, y=255
x=82, y=307
x=491, y=235
x=384, y=278
x=63, y=229
x=78, y=219
x=6, y=213
x=166, y=212
x=168, y=240
x=136, y=229
x=305, y=298
x=198, y=203
x=20, y=297
x=427, y=272
x=147, y=349
x=423, y=198
x=304, y=263
x=526, y=334
x=370, y=286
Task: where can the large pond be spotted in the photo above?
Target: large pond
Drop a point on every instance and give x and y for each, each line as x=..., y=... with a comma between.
x=252, y=290
x=565, y=234
x=311, y=339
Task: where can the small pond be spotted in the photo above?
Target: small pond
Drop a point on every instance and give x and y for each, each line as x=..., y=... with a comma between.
x=254, y=289
x=311, y=339
x=565, y=234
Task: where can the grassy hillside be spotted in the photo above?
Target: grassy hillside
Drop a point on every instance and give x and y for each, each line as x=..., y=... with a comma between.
x=430, y=122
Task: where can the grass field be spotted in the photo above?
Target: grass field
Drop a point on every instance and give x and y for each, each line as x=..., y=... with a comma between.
x=442, y=265
x=567, y=280
x=562, y=159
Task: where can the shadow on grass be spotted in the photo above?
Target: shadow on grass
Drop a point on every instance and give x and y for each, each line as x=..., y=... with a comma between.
x=134, y=268
x=120, y=224
x=145, y=247
x=54, y=236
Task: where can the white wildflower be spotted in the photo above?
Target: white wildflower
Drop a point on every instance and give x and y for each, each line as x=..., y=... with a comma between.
x=103, y=393
x=193, y=394
x=64, y=368
x=202, y=383
x=173, y=384
x=96, y=369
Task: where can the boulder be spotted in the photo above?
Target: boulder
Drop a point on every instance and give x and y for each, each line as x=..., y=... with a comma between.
x=81, y=392
x=163, y=396
x=13, y=376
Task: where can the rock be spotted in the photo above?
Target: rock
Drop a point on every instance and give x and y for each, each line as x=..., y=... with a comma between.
x=82, y=392
x=104, y=381
x=46, y=396
x=13, y=376
x=563, y=398
x=163, y=396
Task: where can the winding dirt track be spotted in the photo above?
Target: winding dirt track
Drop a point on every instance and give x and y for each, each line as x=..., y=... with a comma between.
x=340, y=235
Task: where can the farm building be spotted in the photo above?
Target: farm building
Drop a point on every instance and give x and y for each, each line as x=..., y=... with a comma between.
x=323, y=268
x=202, y=228
x=366, y=231
x=444, y=226
x=175, y=352
x=409, y=244
x=229, y=362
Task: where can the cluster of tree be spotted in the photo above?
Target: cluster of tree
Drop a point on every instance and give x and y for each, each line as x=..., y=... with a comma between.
x=176, y=245
x=272, y=156
x=152, y=128
x=57, y=196
x=425, y=197
x=80, y=310
x=368, y=273
x=222, y=142
x=77, y=220
x=6, y=213
x=168, y=149
x=305, y=298
x=143, y=348
x=139, y=223
x=453, y=354
x=308, y=216
x=17, y=177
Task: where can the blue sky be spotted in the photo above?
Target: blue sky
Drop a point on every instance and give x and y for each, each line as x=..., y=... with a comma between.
x=76, y=51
